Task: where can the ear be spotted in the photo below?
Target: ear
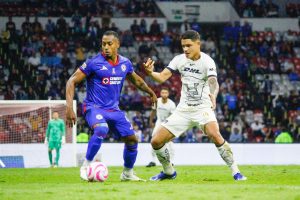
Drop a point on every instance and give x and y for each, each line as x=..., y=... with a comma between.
x=118, y=43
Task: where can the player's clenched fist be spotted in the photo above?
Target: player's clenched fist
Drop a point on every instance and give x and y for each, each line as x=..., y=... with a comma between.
x=149, y=66
x=71, y=117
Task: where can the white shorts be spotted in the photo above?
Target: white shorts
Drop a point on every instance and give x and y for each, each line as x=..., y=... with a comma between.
x=156, y=127
x=179, y=121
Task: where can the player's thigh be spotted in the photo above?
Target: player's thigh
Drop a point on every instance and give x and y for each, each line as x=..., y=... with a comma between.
x=177, y=123
x=212, y=130
x=120, y=125
x=155, y=129
x=207, y=121
x=161, y=137
x=54, y=145
x=95, y=116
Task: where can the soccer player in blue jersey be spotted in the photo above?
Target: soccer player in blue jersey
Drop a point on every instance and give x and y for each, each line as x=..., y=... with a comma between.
x=105, y=74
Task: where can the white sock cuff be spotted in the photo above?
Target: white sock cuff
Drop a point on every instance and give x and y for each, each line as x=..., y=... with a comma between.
x=162, y=149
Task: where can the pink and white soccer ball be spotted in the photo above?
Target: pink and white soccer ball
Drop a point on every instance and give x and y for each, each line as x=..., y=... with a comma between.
x=97, y=171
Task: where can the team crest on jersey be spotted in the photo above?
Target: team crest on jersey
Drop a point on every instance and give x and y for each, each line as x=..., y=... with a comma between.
x=83, y=66
x=99, y=116
x=123, y=67
x=205, y=114
x=105, y=81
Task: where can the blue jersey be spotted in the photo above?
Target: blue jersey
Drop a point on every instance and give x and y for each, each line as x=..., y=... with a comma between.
x=105, y=81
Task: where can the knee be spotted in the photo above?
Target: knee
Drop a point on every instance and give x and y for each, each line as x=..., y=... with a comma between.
x=100, y=130
x=130, y=140
x=156, y=143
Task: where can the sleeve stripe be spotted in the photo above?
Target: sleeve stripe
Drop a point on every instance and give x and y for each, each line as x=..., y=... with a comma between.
x=212, y=75
x=82, y=71
x=172, y=70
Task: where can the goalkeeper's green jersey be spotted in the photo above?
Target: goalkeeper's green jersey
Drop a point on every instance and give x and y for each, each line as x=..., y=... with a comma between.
x=55, y=130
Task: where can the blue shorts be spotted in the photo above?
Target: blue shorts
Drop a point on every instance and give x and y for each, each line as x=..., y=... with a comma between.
x=116, y=120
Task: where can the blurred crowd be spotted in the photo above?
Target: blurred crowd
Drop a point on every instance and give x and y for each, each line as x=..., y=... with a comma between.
x=103, y=8
x=258, y=72
x=266, y=8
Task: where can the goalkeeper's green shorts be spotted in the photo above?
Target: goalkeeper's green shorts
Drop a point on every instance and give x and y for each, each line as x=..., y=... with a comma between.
x=54, y=145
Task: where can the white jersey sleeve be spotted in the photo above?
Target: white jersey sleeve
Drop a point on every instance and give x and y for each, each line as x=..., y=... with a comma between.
x=174, y=64
x=211, y=67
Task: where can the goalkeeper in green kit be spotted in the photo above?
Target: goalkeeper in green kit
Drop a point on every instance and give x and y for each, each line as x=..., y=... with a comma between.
x=55, y=136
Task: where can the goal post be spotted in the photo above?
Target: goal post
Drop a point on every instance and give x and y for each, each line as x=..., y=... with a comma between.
x=23, y=126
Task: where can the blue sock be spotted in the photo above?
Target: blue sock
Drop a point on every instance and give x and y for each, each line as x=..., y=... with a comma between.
x=129, y=155
x=93, y=147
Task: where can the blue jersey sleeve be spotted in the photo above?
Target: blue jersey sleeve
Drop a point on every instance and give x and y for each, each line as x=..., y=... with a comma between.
x=87, y=67
x=130, y=67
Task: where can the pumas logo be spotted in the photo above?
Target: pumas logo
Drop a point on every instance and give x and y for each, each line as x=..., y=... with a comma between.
x=103, y=68
x=205, y=115
x=105, y=81
x=123, y=67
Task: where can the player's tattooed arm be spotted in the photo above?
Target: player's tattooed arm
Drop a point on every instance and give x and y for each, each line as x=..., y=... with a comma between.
x=213, y=89
x=213, y=85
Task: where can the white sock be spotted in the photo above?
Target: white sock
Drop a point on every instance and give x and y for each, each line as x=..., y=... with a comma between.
x=86, y=163
x=163, y=156
x=153, y=154
x=227, y=155
x=171, y=149
x=128, y=171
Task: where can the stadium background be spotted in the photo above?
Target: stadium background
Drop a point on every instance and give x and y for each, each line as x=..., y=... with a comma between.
x=255, y=45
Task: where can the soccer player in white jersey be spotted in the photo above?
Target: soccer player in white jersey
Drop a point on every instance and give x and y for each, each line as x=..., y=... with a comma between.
x=165, y=107
x=196, y=107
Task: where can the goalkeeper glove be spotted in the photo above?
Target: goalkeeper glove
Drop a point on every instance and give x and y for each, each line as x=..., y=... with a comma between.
x=63, y=139
x=46, y=141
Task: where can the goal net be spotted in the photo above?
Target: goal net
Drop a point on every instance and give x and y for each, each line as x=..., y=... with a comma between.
x=23, y=126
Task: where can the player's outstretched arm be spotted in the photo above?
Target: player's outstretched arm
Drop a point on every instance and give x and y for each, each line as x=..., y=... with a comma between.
x=76, y=78
x=158, y=77
x=142, y=85
x=213, y=89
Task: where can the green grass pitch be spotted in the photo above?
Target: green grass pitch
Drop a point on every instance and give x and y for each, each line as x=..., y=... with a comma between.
x=192, y=182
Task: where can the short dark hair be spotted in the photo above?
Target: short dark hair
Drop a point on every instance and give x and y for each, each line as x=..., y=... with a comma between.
x=165, y=88
x=115, y=34
x=191, y=34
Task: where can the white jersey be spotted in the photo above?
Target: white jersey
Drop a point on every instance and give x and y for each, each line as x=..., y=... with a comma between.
x=164, y=110
x=194, y=76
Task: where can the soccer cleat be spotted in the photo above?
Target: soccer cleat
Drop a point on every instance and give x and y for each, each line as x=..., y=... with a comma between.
x=83, y=174
x=130, y=177
x=151, y=164
x=162, y=176
x=239, y=177
x=55, y=166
